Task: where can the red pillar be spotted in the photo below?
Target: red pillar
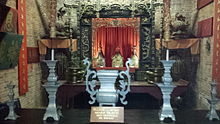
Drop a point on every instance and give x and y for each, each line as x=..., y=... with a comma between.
x=216, y=46
x=22, y=66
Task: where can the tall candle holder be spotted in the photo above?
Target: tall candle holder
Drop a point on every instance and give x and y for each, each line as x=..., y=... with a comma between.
x=11, y=115
x=51, y=87
x=212, y=114
x=166, y=89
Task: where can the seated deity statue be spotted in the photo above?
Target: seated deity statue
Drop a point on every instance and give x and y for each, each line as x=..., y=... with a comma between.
x=134, y=59
x=100, y=60
x=117, y=60
x=134, y=63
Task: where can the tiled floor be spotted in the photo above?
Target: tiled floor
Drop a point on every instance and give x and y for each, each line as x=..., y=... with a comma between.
x=132, y=116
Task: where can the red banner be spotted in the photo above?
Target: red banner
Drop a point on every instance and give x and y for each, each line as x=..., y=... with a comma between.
x=216, y=45
x=205, y=28
x=203, y=3
x=33, y=55
x=23, y=66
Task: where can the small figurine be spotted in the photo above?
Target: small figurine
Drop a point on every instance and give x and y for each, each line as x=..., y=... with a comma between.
x=117, y=59
x=100, y=59
x=134, y=58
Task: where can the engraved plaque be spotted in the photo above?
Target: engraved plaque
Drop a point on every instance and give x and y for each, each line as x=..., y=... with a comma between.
x=107, y=115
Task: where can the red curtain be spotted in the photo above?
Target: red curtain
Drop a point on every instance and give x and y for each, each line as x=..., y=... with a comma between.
x=109, y=38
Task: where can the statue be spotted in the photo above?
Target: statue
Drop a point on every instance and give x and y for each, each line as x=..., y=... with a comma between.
x=66, y=23
x=134, y=58
x=179, y=27
x=117, y=59
x=100, y=60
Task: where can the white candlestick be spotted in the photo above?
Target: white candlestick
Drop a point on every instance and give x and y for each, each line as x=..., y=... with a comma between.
x=52, y=54
x=167, y=55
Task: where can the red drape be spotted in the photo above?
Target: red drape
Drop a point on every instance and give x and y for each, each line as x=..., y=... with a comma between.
x=109, y=38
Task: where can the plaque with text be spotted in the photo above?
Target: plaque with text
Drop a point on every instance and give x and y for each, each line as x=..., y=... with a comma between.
x=107, y=115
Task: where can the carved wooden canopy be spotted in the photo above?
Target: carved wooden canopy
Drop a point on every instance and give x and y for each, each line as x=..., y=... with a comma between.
x=116, y=22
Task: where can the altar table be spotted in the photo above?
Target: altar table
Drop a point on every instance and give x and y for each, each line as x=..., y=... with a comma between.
x=67, y=92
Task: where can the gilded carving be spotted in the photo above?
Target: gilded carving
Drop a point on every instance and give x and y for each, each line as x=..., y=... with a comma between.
x=145, y=20
x=85, y=42
x=86, y=21
x=119, y=22
x=146, y=43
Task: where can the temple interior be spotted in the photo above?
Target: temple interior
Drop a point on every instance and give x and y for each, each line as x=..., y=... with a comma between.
x=157, y=60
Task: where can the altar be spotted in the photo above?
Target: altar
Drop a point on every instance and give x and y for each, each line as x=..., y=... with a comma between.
x=106, y=39
x=67, y=92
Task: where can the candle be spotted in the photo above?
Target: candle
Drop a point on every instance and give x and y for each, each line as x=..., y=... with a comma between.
x=52, y=54
x=167, y=55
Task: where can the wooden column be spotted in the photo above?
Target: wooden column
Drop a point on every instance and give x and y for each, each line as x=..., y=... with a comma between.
x=53, y=6
x=167, y=20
